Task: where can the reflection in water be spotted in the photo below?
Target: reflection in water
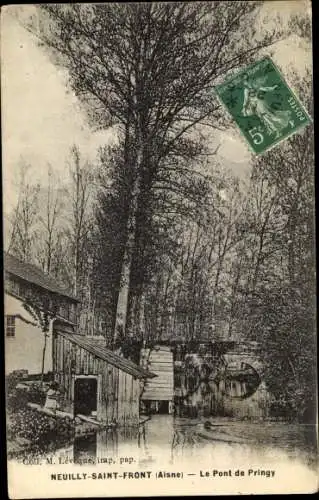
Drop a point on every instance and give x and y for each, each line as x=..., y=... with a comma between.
x=167, y=438
x=84, y=448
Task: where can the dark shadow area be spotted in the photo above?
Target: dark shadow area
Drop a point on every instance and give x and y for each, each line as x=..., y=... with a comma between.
x=85, y=396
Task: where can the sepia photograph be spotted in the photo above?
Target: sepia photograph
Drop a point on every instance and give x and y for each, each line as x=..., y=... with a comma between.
x=159, y=248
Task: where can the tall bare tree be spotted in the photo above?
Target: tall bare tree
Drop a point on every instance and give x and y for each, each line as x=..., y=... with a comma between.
x=24, y=216
x=48, y=249
x=79, y=222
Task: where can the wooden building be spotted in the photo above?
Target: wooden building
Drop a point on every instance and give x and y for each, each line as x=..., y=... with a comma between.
x=95, y=381
x=158, y=393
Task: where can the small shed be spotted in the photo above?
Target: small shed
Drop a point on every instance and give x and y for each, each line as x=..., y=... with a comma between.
x=95, y=381
x=158, y=393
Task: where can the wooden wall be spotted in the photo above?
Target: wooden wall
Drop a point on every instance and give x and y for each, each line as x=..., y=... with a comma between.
x=23, y=290
x=118, y=391
x=159, y=361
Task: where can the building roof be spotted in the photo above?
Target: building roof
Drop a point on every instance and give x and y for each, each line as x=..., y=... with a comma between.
x=98, y=349
x=33, y=274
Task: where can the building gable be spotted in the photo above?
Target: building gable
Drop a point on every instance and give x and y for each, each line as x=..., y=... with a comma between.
x=30, y=285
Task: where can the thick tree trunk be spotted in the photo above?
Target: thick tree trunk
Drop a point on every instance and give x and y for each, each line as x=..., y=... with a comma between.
x=141, y=318
x=122, y=301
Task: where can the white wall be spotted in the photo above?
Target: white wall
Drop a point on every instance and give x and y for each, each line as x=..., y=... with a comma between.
x=24, y=351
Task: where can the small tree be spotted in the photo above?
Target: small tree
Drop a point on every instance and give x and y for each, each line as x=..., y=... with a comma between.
x=43, y=309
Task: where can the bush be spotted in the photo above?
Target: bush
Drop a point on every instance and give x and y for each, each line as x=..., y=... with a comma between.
x=12, y=380
x=17, y=399
x=38, y=428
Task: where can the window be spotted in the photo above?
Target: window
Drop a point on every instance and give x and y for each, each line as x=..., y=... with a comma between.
x=10, y=326
x=12, y=286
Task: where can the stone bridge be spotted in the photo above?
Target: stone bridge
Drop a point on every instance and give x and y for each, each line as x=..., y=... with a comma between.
x=237, y=391
x=244, y=352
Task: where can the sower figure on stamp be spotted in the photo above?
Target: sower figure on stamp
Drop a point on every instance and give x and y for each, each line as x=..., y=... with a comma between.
x=255, y=104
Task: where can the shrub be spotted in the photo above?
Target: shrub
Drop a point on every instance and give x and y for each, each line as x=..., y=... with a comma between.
x=17, y=399
x=38, y=428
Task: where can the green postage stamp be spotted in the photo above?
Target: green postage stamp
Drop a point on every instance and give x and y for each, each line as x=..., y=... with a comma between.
x=262, y=104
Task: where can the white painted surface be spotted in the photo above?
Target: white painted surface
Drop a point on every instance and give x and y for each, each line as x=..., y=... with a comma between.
x=24, y=351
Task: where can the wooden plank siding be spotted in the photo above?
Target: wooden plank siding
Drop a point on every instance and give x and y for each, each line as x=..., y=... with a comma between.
x=117, y=391
x=159, y=361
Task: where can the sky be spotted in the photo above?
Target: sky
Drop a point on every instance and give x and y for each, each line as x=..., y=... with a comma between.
x=41, y=118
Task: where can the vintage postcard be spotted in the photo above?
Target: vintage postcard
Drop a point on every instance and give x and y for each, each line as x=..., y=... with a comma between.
x=159, y=249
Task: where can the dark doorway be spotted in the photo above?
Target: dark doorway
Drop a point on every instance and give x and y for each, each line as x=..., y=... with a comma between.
x=163, y=407
x=85, y=395
x=160, y=407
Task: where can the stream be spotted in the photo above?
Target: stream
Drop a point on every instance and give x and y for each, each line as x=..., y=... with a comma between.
x=164, y=439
